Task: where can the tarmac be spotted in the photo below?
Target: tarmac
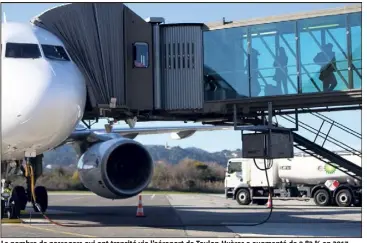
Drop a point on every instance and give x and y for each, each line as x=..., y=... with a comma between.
x=183, y=215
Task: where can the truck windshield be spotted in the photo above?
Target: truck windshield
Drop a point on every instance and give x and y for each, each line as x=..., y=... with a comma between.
x=234, y=167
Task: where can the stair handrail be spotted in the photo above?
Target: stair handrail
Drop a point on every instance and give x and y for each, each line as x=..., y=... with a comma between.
x=326, y=137
x=335, y=165
x=337, y=124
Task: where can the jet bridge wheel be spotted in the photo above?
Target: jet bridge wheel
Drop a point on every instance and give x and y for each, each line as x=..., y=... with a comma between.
x=41, y=198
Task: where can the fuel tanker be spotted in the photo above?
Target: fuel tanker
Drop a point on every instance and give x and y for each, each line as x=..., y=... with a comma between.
x=300, y=177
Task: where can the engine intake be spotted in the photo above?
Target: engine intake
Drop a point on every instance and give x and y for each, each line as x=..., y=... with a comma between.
x=116, y=168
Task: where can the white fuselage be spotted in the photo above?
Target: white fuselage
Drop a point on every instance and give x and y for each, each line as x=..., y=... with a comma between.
x=42, y=97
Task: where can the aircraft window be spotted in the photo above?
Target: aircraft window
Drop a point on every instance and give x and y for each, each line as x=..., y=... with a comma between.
x=55, y=52
x=141, y=54
x=22, y=50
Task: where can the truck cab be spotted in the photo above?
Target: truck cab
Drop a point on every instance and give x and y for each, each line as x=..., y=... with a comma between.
x=243, y=180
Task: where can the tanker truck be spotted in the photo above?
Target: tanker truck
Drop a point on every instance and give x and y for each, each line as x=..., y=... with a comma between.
x=300, y=177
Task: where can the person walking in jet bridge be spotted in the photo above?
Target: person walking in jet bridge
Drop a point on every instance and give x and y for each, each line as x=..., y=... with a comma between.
x=281, y=70
x=326, y=59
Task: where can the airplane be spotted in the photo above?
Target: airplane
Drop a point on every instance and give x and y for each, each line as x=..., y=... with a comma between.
x=42, y=103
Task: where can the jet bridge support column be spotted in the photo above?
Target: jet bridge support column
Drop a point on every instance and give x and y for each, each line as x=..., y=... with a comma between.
x=156, y=21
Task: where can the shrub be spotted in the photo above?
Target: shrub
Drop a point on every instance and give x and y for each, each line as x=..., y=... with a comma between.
x=187, y=175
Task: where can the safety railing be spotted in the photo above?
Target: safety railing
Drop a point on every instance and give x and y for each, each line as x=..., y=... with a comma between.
x=326, y=136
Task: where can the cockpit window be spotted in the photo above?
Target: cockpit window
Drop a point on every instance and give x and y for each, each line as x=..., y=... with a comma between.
x=22, y=50
x=55, y=52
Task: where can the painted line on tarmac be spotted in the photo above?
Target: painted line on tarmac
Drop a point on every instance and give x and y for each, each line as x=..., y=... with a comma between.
x=6, y=221
x=52, y=230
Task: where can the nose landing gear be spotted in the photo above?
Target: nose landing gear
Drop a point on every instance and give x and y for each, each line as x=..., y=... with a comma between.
x=13, y=200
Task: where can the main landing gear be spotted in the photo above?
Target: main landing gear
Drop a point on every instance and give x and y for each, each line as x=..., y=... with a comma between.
x=14, y=200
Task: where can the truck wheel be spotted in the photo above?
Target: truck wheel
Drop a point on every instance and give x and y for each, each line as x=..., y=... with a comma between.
x=243, y=197
x=321, y=197
x=344, y=198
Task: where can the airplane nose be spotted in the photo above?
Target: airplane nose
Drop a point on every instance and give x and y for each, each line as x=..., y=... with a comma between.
x=48, y=105
x=59, y=98
x=67, y=96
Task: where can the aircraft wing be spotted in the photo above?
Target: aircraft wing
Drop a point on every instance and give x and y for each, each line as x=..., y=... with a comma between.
x=176, y=132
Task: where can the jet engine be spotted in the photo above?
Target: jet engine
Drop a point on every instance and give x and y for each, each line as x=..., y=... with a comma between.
x=117, y=168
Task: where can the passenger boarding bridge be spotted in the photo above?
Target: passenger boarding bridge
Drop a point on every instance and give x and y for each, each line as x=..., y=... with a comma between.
x=199, y=71
x=220, y=72
x=292, y=59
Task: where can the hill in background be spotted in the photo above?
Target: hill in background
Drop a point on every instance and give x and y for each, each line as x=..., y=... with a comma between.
x=66, y=156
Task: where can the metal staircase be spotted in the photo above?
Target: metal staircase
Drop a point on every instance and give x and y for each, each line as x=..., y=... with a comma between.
x=327, y=156
x=323, y=154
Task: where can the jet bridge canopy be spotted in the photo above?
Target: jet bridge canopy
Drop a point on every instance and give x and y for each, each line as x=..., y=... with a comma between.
x=110, y=44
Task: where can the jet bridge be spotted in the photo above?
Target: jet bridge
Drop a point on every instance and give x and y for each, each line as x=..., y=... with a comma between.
x=156, y=71
x=214, y=72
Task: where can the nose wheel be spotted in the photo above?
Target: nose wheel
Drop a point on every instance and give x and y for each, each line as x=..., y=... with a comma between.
x=12, y=202
x=37, y=195
x=22, y=196
x=41, y=199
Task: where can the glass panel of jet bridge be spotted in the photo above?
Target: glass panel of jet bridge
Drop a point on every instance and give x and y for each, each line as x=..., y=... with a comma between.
x=355, y=22
x=288, y=56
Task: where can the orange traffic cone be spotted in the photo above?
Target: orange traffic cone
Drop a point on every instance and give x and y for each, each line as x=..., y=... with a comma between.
x=140, y=211
x=269, y=203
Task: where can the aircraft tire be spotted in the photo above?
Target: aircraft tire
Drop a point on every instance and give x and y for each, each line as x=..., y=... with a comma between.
x=14, y=206
x=41, y=198
x=20, y=191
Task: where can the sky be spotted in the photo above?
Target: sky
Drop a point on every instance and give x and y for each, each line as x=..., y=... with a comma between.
x=208, y=12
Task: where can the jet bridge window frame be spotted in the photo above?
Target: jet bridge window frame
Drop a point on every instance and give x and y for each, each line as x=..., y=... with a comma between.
x=15, y=46
x=59, y=50
x=136, y=60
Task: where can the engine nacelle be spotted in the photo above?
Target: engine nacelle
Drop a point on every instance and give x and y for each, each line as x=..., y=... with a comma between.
x=117, y=168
